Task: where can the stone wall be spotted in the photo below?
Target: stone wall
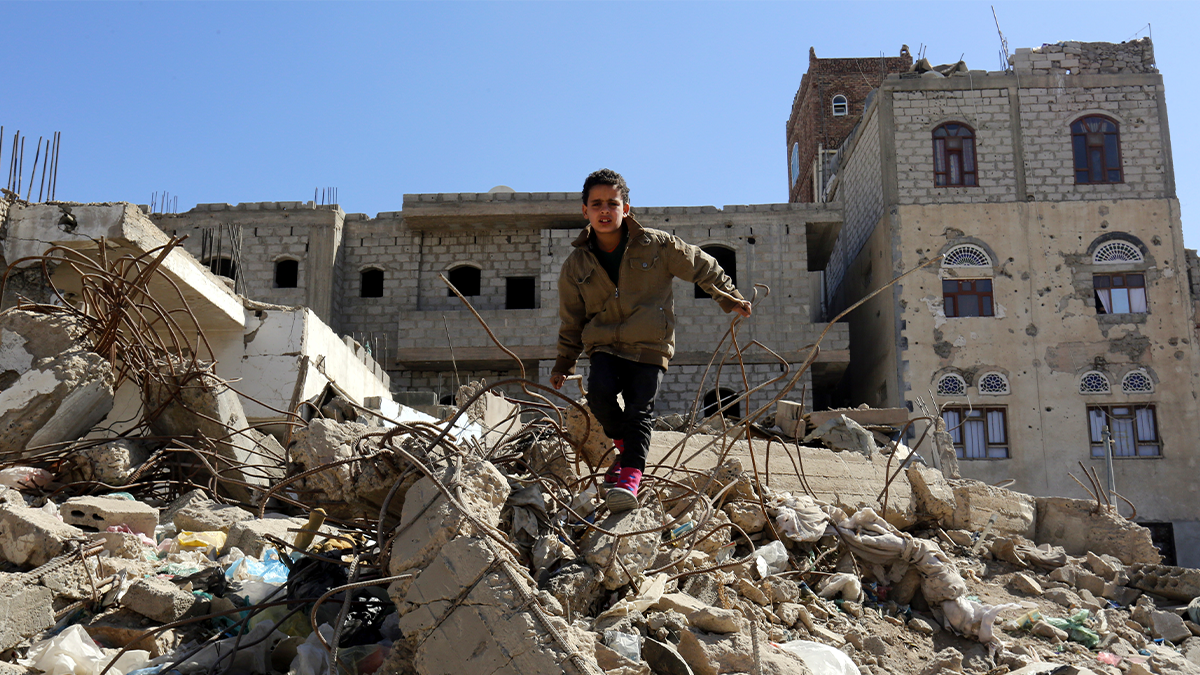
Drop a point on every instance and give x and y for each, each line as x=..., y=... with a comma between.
x=1075, y=58
x=860, y=188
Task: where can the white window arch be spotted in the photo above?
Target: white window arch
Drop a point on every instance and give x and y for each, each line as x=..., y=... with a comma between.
x=1117, y=251
x=1094, y=382
x=1137, y=382
x=994, y=384
x=952, y=384
x=966, y=255
x=841, y=106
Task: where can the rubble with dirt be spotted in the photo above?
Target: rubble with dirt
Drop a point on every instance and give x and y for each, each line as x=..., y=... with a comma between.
x=192, y=542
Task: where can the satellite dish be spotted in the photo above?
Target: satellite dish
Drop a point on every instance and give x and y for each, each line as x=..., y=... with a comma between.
x=500, y=188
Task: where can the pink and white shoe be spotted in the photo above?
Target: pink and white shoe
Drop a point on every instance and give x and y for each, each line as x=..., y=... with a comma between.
x=623, y=496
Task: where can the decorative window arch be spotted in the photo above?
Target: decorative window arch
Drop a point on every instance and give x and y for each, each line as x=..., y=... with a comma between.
x=287, y=273
x=841, y=106
x=1094, y=382
x=466, y=279
x=1096, y=145
x=951, y=384
x=1117, y=251
x=1137, y=382
x=993, y=384
x=967, y=255
x=726, y=258
x=954, y=156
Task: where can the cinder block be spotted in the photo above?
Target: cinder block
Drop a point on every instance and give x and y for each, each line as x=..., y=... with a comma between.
x=26, y=609
x=97, y=514
x=32, y=536
x=158, y=599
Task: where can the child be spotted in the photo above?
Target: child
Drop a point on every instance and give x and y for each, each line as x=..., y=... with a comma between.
x=615, y=304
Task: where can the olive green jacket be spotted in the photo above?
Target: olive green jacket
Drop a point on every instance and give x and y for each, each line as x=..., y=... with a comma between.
x=634, y=318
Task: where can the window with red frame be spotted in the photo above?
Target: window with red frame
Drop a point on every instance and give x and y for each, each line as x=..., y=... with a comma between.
x=954, y=156
x=1134, y=430
x=967, y=297
x=1120, y=293
x=1096, y=143
x=978, y=433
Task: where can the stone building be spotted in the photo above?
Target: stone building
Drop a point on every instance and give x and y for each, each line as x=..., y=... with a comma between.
x=378, y=280
x=1062, y=303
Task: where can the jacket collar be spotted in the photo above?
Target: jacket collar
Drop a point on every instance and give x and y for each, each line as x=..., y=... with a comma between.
x=635, y=231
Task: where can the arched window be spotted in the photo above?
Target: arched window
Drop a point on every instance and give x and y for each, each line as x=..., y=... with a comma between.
x=1096, y=144
x=222, y=266
x=952, y=384
x=841, y=106
x=726, y=258
x=1137, y=382
x=1094, y=382
x=994, y=384
x=287, y=273
x=1117, y=251
x=719, y=398
x=966, y=255
x=795, y=163
x=954, y=156
x=466, y=279
x=371, y=283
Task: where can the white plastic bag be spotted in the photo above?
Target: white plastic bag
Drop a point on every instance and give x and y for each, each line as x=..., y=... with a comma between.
x=72, y=652
x=846, y=585
x=311, y=657
x=629, y=646
x=821, y=659
x=771, y=559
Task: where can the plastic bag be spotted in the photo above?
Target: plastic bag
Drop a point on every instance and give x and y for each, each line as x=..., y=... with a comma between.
x=798, y=516
x=199, y=541
x=820, y=658
x=629, y=646
x=311, y=657
x=270, y=569
x=25, y=476
x=72, y=652
x=1076, y=628
x=771, y=559
x=846, y=585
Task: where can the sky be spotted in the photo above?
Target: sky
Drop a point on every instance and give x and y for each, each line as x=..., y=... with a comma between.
x=267, y=101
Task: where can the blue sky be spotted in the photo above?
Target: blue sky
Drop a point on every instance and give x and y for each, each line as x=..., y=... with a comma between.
x=238, y=102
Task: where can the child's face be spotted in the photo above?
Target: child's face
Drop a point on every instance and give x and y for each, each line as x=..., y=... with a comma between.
x=605, y=209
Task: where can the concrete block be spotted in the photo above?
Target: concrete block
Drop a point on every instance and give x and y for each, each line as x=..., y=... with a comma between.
x=26, y=609
x=789, y=417
x=97, y=514
x=32, y=537
x=158, y=599
x=210, y=517
x=1175, y=583
x=1072, y=524
x=1169, y=626
x=249, y=535
x=976, y=503
x=933, y=495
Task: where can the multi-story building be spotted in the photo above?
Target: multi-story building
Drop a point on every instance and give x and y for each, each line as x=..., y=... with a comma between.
x=1061, y=304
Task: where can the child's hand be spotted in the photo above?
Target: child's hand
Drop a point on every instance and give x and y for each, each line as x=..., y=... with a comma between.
x=558, y=380
x=744, y=308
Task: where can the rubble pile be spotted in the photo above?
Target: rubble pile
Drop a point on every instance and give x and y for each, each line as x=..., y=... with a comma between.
x=194, y=543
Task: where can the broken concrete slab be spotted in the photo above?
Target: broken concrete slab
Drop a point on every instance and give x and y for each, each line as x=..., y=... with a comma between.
x=789, y=417
x=351, y=489
x=977, y=503
x=209, y=516
x=110, y=463
x=1174, y=583
x=1078, y=527
x=158, y=599
x=249, y=536
x=1169, y=626
x=843, y=434
x=97, y=514
x=32, y=537
x=934, y=496
x=716, y=620
x=584, y=430
x=25, y=609
x=867, y=417
x=735, y=654
x=636, y=551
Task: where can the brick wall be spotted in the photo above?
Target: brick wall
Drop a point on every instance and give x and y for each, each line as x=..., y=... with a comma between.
x=1076, y=58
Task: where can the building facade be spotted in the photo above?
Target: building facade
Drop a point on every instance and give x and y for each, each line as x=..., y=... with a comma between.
x=1061, y=304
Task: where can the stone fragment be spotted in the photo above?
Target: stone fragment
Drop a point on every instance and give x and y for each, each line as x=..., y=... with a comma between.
x=120, y=544
x=120, y=627
x=919, y=625
x=25, y=609
x=32, y=537
x=158, y=599
x=947, y=660
x=1105, y=566
x=584, y=431
x=780, y=590
x=576, y=586
x=429, y=521
x=693, y=653
x=97, y=514
x=1176, y=583
x=1089, y=601
x=843, y=434
x=873, y=644
x=1063, y=597
x=111, y=463
x=209, y=516
x=1023, y=583
x=635, y=551
x=1169, y=626
x=197, y=496
x=716, y=620
x=1045, y=630
x=735, y=654
x=663, y=658
x=351, y=488
x=678, y=602
x=250, y=535
x=788, y=613
x=977, y=502
x=1072, y=524
x=1090, y=582
x=748, y=590
x=1065, y=574
x=789, y=417
x=749, y=517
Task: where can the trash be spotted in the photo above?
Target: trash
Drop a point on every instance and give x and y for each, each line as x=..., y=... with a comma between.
x=73, y=652
x=18, y=477
x=208, y=542
x=798, y=516
x=771, y=559
x=820, y=658
x=629, y=646
x=1108, y=658
x=846, y=585
x=270, y=569
x=1077, y=628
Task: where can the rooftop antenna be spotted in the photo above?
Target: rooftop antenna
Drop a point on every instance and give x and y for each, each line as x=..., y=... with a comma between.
x=1004, y=55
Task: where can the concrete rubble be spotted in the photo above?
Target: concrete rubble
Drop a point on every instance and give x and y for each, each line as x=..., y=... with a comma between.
x=193, y=537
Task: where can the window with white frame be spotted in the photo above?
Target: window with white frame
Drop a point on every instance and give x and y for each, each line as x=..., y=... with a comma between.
x=1137, y=382
x=1094, y=382
x=978, y=433
x=993, y=384
x=1133, y=429
x=1120, y=293
x=841, y=106
x=952, y=384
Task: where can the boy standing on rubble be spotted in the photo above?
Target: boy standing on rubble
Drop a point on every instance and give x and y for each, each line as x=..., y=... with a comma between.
x=616, y=305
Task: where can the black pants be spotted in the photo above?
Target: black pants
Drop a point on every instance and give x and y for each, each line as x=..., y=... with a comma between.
x=637, y=383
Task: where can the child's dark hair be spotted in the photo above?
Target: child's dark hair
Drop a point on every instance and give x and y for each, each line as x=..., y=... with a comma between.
x=606, y=177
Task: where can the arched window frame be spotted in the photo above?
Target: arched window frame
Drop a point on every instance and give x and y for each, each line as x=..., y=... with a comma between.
x=967, y=256
x=371, y=282
x=467, y=278
x=993, y=383
x=840, y=105
x=1094, y=382
x=955, y=162
x=951, y=384
x=1096, y=150
x=1117, y=251
x=281, y=264
x=1137, y=382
